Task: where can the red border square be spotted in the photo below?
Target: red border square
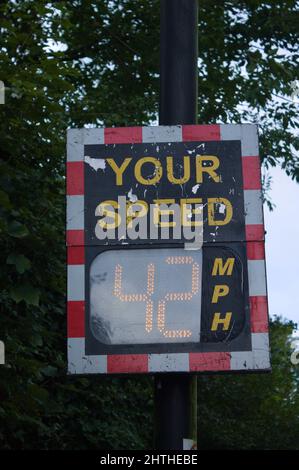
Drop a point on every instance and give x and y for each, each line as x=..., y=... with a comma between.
x=127, y=363
x=74, y=178
x=213, y=361
x=76, y=255
x=259, y=314
x=75, y=237
x=76, y=319
x=123, y=135
x=255, y=250
x=201, y=132
x=254, y=232
x=251, y=173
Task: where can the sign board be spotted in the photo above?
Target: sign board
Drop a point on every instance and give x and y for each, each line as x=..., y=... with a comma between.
x=165, y=240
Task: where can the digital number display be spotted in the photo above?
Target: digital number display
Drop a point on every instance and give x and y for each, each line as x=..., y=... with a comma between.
x=146, y=296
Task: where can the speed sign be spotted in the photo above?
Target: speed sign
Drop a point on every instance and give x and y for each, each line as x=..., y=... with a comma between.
x=165, y=237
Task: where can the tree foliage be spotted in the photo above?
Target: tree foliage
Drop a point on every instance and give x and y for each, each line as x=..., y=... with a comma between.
x=96, y=63
x=253, y=411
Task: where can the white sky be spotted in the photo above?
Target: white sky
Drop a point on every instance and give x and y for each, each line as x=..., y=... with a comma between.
x=282, y=246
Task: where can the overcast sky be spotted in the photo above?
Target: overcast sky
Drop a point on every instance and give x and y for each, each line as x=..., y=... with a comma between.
x=282, y=247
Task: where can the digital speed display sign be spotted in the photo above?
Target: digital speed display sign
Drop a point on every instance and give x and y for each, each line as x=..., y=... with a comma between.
x=165, y=241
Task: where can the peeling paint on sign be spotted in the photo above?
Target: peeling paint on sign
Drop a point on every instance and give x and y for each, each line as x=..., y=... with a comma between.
x=95, y=163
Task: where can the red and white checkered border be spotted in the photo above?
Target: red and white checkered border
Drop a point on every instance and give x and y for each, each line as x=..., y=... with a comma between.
x=258, y=357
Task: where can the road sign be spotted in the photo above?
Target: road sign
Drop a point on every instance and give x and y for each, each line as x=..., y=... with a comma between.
x=165, y=236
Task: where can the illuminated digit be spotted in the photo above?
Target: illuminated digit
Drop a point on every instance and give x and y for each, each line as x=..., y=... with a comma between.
x=169, y=297
x=137, y=297
x=178, y=296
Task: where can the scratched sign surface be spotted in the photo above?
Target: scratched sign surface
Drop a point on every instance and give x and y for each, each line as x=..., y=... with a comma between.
x=140, y=301
x=207, y=173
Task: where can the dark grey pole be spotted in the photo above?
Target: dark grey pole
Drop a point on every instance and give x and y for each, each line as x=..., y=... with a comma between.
x=176, y=394
x=178, y=62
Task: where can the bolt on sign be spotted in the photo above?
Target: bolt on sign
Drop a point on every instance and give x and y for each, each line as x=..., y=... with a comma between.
x=166, y=260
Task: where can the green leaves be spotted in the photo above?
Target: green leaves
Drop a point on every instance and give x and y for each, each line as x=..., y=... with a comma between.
x=4, y=200
x=38, y=393
x=17, y=230
x=21, y=263
x=49, y=371
x=25, y=292
x=106, y=73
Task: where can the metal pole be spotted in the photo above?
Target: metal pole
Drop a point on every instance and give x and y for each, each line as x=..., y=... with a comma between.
x=178, y=62
x=176, y=394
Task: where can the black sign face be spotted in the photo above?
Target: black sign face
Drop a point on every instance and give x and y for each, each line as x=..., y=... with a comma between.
x=146, y=175
x=166, y=300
